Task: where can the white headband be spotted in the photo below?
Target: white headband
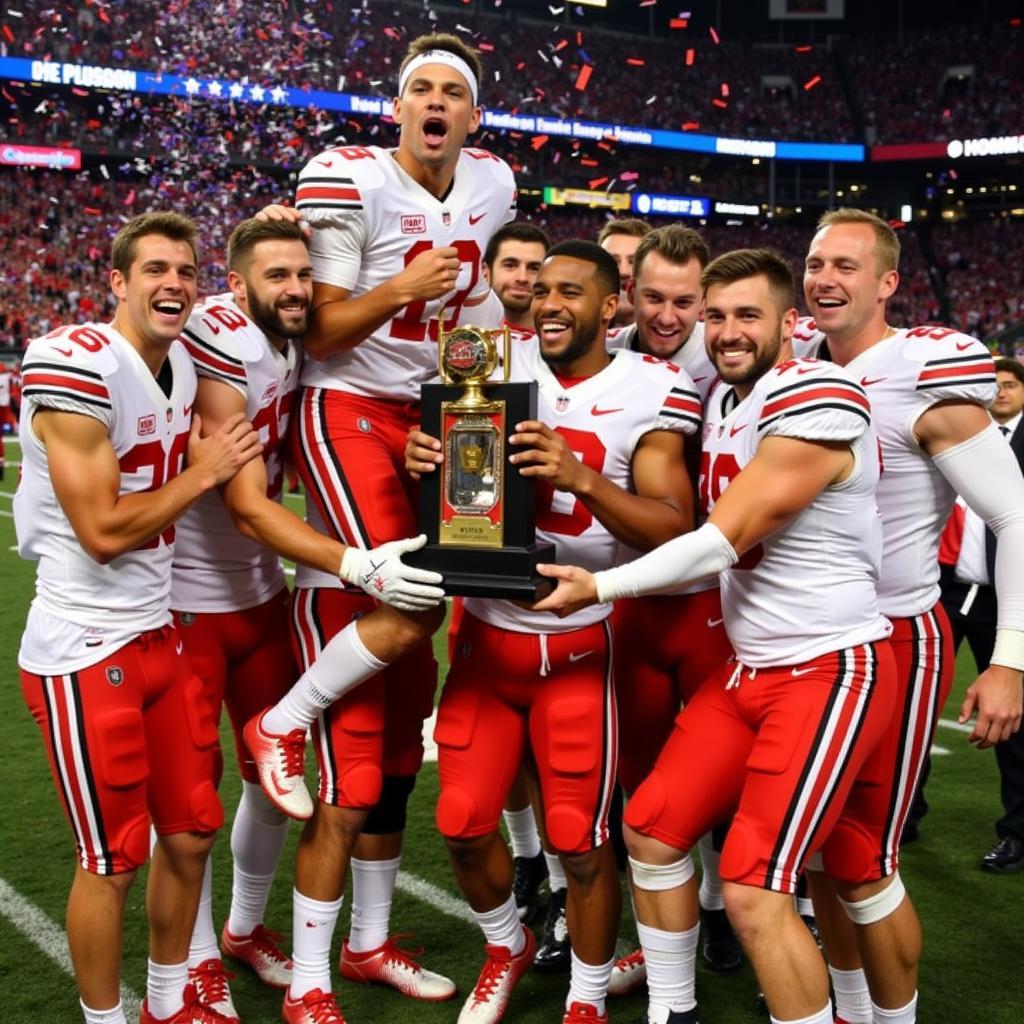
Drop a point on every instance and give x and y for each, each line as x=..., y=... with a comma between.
x=452, y=60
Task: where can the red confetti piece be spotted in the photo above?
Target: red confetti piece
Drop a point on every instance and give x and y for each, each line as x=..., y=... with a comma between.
x=1015, y=23
x=725, y=88
x=804, y=49
x=80, y=92
x=677, y=23
x=714, y=35
x=8, y=34
x=690, y=126
x=690, y=55
x=606, y=146
x=635, y=62
x=7, y=96
x=588, y=162
x=561, y=45
x=719, y=103
x=812, y=82
x=392, y=33
x=584, y=76
x=260, y=34
x=629, y=175
x=92, y=211
x=539, y=140
x=486, y=47
x=597, y=182
x=104, y=17
x=521, y=65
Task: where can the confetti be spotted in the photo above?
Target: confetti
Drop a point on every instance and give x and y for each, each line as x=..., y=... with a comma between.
x=584, y=76
x=812, y=82
x=560, y=45
x=539, y=140
x=714, y=35
x=803, y=49
x=719, y=103
x=635, y=62
x=629, y=175
x=725, y=88
x=690, y=55
x=555, y=11
x=8, y=34
x=597, y=182
x=650, y=100
x=677, y=23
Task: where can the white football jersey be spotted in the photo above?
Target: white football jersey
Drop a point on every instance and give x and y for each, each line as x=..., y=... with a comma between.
x=808, y=588
x=216, y=568
x=5, y=387
x=602, y=419
x=904, y=376
x=692, y=355
x=84, y=611
x=370, y=220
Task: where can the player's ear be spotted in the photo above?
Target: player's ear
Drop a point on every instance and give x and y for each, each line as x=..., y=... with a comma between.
x=609, y=307
x=237, y=285
x=396, y=110
x=474, y=121
x=119, y=285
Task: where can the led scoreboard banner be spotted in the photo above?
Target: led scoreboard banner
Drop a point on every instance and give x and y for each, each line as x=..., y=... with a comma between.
x=121, y=79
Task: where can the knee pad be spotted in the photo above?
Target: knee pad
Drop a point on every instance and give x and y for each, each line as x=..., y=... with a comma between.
x=851, y=855
x=389, y=812
x=359, y=785
x=121, y=748
x=132, y=843
x=202, y=722
x=455, y=812
x=741, y=853
x=569, y=828
x=659, y=877
x=877, y=907
x=646, y=805
x=204, y=808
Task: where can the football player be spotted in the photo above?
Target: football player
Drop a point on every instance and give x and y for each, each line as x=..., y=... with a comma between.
x=620, y=237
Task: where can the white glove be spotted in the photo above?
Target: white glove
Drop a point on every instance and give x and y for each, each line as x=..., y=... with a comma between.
x=383, y=575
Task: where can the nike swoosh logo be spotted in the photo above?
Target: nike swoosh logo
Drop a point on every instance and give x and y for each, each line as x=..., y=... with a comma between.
x=603, y=412
x=475, y=218
x=63, y=351
x=866, y=383
x=963, y=346
x=326, y=163
x=801, y=671
x=213, y=327
x=714, y=622
x=188, y=410
x=178, y=648
x=579, y=657
x=733, y=431
x=805, y=369
x=278, y=790
x=697, y=380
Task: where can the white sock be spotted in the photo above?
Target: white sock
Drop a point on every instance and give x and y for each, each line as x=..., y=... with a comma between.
x=522, y=831
x=556, y=873
x=313, y=924
x=671, y=959
x=165, y=988
x=373, y=886
x=823, y=1016
x=342, y=665
x=258, y=836
x=710, y=879
x=502, y=927
x=853, y=1000
x=588, y=983
x=904, y=1015
x=115, y=1015
x=202, y=945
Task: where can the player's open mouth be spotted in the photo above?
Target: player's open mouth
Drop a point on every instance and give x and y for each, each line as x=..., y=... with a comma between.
x=434, y=131
x=829, y=302
x=550, y=330
x=169, y=307
x=665, y=332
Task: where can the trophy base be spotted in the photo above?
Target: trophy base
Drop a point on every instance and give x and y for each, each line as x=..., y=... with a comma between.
x=509, y=573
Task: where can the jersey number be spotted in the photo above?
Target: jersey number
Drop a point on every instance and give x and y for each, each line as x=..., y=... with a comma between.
x=716, y=473
x=587, y=447
x=271, y=423
x=162, y=466
x=409, y=325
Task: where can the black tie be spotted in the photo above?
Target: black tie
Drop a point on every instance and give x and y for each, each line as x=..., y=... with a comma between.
x=1005, y=430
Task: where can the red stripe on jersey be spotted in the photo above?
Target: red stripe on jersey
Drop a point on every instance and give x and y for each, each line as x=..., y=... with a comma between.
x=812, y=394
x=683, y=404
x=200, y=355
x=37, y=378
x=984, y=367
x=325, y=192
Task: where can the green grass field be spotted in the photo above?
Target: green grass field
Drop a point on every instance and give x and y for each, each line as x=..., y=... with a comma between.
x=974, y=937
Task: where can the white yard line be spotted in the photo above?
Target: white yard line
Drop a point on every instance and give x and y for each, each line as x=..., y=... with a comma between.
x=50, y=939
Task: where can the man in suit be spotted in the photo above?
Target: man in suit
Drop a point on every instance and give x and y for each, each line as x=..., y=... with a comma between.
x=968, y=571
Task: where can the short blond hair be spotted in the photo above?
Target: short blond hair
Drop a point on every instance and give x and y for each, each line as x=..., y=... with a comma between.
x=887, y=245
x=444, y=41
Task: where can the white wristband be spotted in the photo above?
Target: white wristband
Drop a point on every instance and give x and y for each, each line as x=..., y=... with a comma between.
x=1009, y=649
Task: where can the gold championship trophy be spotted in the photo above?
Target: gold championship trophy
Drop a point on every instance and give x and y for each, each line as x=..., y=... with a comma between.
x=476, y=510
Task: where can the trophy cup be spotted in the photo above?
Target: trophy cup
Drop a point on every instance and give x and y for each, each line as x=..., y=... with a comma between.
x=477, y=511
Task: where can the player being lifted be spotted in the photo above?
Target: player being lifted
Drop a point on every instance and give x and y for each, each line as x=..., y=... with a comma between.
x=788, y=471
x=929, y=389
x=608, y=456
x=106, y=426
x=397, y=235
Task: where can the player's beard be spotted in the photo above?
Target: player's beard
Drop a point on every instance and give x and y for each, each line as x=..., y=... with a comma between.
x=764, y=360
x=269, y=320
x=583, y=338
